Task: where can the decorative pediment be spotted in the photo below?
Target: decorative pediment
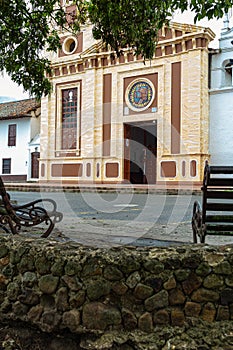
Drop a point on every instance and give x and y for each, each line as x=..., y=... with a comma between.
x=176, y=32
x=94, y=49
x=172, y=40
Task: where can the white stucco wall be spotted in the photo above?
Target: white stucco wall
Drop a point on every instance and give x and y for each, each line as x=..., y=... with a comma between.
x=221, y=103
x=18, y=153
x=221, y=130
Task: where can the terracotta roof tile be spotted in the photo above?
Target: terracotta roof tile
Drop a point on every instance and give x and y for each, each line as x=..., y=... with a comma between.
x=18, y=109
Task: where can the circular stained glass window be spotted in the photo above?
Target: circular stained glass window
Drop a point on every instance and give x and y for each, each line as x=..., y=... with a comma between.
x=140, y=95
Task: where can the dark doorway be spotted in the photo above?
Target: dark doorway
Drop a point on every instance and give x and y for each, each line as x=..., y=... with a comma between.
x=140, y=150
x=35, y=165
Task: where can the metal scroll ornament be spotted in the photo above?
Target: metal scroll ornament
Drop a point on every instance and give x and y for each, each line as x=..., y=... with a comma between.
x=140, y=95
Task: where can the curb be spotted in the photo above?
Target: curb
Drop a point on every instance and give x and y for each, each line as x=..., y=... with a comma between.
x=138, y=189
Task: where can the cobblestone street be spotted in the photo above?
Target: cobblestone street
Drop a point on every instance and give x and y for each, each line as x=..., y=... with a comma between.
x=104, y=233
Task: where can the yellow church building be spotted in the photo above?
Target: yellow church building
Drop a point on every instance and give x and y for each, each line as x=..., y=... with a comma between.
x=122, y=120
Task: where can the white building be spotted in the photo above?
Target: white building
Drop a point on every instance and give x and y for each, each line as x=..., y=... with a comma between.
x=221, y=99
x=19, y=140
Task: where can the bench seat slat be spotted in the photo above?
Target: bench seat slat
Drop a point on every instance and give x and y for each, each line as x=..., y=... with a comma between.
x=219, y=218
x=220, y=227
x=219, y=194
x=223, y=182
x=219, y=206
x=214, y=169
x=219, y=233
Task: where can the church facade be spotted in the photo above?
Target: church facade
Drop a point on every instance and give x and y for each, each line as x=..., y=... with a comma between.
x=122, y=120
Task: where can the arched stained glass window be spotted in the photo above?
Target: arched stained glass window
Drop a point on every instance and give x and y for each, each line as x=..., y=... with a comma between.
x=69, y=118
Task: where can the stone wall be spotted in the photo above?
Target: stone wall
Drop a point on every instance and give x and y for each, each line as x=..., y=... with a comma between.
x=67, y=287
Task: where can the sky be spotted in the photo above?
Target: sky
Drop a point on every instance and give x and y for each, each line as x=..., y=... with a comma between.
x=15, y=92
x=214, y=24
x=9, y=89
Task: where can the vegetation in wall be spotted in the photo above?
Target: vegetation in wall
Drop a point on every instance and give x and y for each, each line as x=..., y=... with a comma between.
x=29, y=28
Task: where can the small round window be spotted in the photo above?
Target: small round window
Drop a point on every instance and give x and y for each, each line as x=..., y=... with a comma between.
x=70, y=45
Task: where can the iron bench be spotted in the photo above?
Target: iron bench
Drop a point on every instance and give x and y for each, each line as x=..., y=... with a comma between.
x=216, y=215
x=13, y=217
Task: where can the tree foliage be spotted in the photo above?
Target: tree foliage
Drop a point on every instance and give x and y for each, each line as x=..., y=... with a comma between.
x=129, y=23
x=29, y=28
